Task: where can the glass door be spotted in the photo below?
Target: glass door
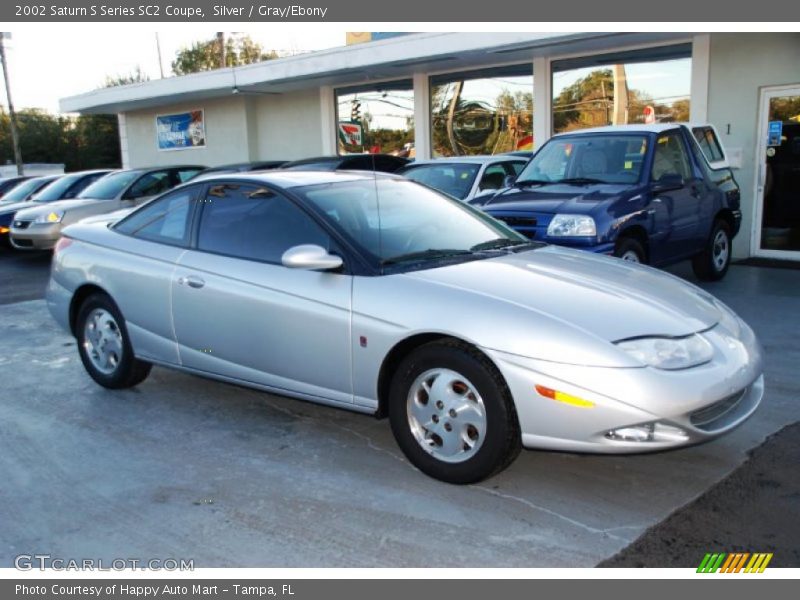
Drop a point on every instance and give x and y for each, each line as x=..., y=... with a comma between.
x=777, y=231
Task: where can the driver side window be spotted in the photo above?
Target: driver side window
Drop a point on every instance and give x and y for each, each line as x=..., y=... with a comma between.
x=670, y=158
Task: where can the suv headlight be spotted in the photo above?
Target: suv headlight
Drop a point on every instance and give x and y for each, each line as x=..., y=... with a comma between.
x=669, y=353
x=571, y=225
x=51, y=217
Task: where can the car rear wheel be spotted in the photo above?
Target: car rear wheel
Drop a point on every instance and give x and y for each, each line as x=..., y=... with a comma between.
x=630, y=250
x=713, y=262
x=104, y=346
x=452, y=414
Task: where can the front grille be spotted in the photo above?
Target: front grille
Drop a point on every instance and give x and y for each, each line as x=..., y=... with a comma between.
x=519, y=221
x=22, y=224
x=713, y=416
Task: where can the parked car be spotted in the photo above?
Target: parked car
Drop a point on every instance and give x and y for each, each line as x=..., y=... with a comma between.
x=17, y=198
x=644, y=193
x=385, y=163
x=9, y=183
x=67, y=186
x=465, y=177
x=261, y=165
x=376, y=294
x=38, y=228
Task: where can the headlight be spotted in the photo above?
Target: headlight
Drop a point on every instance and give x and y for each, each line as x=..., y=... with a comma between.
x=570, y=225
x=669, y=353
x=53, y=217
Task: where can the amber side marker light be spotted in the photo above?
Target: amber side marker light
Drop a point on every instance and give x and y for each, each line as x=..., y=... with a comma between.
x=547, y=392
x=4, y=230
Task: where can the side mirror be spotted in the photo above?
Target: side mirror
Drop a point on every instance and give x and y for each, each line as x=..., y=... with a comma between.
x=509, y=181
x=310, y=257
x=668, y=182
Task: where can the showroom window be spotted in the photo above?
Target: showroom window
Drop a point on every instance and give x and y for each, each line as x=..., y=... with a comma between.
x=482, y=112
x=642, y=86
x=376, y=118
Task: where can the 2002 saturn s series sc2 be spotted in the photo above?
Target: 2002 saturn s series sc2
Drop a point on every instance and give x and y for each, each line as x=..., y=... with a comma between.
x=373, y=293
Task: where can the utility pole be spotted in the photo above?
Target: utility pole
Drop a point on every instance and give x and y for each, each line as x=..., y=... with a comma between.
x=222, y=57
x=11, y=114
x=620, y=96
x=160, y=63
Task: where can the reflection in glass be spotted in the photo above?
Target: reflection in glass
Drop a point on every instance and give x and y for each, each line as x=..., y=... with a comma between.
x=376, y=119
x=482, y=113
x=623, y=93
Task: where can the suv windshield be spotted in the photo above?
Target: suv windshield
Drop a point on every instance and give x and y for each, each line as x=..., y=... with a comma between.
x=110, y=186
x=590, y=158
x=451, y=178
x=399, y=222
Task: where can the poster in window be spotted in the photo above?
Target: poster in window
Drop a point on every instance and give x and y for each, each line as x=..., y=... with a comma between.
x=181, y=130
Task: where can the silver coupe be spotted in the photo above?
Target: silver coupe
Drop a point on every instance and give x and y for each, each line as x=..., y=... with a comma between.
x=376, y=294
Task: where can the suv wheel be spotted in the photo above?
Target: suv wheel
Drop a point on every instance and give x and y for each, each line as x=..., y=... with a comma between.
x=713, y=262
x=630, y=249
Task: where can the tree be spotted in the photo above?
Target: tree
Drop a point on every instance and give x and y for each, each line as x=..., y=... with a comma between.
x=205, y=56
x=135, y=76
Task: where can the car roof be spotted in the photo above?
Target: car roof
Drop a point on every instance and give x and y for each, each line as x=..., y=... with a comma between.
x=633, y=128
x=291, y=179
x=476, y=159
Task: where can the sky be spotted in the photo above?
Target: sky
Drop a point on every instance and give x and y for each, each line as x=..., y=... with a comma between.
x=47, y=63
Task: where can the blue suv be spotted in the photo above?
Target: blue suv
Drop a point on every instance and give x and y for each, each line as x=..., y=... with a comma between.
x=653, y=194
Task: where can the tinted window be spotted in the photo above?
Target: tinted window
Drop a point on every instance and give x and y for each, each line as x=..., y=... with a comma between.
x=165, y=220
x=670, y=157
x=516, y=167
x=707, y=140
x=451, y=178
x=109, y=187
x=26, y=189
x=68, y=186
x=150, y=185
x=186, y=174
x=254, y=223
x=493, y=177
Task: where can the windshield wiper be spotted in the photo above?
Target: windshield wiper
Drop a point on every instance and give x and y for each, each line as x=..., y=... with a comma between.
x=429, y=254
x=495, y=244
x=580, y=180
x=519, y=182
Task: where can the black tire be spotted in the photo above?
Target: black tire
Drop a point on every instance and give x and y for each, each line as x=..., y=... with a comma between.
x=127, y=371
x=627, y=247
x=713, y=262
x=502, y=440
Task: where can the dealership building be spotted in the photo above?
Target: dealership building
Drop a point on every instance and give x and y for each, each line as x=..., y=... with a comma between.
x=432, y=94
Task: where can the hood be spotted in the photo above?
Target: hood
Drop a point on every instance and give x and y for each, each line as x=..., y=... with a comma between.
x=557, y=198
x=13, y=207
x=604, y=297
x=76, y=208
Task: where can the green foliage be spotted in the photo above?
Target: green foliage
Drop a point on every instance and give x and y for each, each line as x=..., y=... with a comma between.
x=135, y=76
x=206, y=56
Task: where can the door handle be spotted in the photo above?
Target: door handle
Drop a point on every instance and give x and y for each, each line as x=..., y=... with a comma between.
x=192, y=281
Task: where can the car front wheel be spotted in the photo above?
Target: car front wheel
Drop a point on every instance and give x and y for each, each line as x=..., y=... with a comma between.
x=452, y=414
x=630, y=250
x=104, y=346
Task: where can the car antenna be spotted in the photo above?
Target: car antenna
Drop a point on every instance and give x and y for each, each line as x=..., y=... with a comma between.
x=378, y=208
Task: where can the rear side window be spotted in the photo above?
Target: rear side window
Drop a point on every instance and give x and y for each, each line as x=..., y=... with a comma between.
x=516, y=167
x=493, y=177
x=150, y=184
x=166, y=220
x=254, y=223
x=707, y=140
x=185, y=175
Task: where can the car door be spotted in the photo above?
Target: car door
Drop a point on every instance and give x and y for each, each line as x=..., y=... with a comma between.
x=239, y=313
x=681, y=203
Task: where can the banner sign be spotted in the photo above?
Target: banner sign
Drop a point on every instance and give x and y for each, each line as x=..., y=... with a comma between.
x=181, y=131
x=350, y=133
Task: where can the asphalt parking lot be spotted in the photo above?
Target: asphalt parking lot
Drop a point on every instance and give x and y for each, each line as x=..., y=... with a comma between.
x=182, y=467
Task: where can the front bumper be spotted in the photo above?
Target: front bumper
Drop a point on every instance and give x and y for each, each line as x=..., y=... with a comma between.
x=701, y=403
x=35, y=236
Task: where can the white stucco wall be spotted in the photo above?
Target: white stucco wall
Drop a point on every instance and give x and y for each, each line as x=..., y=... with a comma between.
x=227, y=134
x=739, y=65
x=289, y=125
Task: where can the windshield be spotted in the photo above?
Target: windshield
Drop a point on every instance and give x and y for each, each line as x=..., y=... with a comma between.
x=451, y=178
x=23, y=190
x=57, y=189
x=407, y=223
x=587, y=159
x=110, y=186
